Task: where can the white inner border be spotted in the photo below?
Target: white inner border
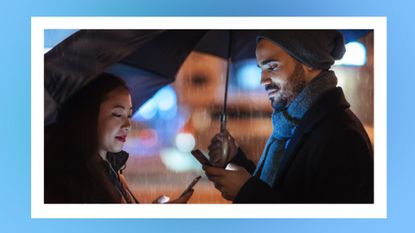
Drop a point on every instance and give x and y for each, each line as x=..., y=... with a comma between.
x=41, y=210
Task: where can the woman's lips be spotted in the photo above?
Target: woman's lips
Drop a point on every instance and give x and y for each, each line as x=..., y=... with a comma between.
x=121, y=138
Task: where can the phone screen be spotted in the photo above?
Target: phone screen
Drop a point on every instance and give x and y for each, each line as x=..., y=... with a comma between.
x=191, y=185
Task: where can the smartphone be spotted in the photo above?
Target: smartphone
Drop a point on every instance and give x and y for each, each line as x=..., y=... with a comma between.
x=203, y=160
x=201, y=157
x=191, y=185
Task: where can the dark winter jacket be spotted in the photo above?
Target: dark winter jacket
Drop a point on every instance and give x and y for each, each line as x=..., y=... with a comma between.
x=328, y=160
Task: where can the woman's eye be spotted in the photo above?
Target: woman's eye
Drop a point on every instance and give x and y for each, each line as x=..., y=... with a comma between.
x=116, y=115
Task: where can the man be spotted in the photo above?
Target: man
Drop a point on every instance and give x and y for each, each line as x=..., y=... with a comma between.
x=318, y=151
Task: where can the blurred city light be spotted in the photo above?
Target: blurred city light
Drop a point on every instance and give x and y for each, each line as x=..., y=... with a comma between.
x=143, y=142
x=355, y=55
x=148, y=137
x=169, y=113
x=178, y=161
x=185, y=142
x=166, y=98
x=147, y=111
x=163, y=102
x=248, y=75
x=201, y=119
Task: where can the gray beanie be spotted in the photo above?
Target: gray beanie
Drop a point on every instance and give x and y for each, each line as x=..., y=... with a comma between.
x=315, y=48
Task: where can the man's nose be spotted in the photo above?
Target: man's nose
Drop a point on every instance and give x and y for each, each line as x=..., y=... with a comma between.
x=265, y=79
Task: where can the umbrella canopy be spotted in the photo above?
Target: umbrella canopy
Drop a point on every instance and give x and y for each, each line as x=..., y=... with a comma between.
x=81, y=57
x=145, y=59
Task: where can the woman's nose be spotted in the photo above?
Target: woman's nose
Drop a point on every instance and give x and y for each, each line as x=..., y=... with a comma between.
x=127, y=124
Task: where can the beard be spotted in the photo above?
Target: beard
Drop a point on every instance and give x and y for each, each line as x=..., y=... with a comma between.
x=286, y=94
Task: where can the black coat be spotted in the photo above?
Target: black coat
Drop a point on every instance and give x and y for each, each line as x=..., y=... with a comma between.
x=329, y=160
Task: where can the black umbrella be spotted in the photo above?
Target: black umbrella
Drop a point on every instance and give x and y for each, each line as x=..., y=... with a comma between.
x=146, y=59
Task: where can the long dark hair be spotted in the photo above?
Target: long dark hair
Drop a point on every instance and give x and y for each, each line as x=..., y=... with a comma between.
x=71, y=145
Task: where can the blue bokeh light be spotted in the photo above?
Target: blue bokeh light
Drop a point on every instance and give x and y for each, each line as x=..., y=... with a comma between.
x=147, y=111
x=166, y=98
x=355, y=55
x=248, y=75
x=163, y=104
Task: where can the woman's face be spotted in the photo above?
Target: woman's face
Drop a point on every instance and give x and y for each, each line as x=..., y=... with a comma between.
x=114, y=121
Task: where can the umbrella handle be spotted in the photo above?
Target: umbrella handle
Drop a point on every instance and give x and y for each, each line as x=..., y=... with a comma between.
x=225, y=143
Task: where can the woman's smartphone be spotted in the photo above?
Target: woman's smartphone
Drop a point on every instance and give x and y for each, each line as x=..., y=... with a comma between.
x=191, y=185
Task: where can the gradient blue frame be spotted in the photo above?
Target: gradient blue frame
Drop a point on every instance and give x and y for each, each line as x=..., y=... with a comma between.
x=15, y=118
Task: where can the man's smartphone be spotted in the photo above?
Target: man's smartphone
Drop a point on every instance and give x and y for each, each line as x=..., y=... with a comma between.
x=201, y=157
x=191, y=185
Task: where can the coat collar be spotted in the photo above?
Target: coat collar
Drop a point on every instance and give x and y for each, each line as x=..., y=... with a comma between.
x=117, y=160
x=330, y=101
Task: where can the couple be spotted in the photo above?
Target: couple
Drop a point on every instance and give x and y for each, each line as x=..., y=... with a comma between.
x=318, y=151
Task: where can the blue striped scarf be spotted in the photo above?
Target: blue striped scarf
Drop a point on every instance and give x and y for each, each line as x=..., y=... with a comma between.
x=284, y=123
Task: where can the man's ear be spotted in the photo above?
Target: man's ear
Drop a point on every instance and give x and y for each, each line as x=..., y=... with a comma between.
x=307, y=69
x=310, y=73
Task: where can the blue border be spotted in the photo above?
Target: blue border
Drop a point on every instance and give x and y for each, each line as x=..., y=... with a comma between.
x=15, y=109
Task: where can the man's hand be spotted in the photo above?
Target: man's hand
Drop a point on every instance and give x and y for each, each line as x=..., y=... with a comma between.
x=226, y=181
x=216, y=149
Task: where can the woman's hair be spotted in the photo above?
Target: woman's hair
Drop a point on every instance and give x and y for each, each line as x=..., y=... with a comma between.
x=79, y=115
x=73, y=143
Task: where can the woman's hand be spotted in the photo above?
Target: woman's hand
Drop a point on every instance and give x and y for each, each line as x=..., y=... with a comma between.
x=183, y=199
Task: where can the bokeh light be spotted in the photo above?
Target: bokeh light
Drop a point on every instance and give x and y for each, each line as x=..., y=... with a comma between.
x=355, y=55
x=185, y=142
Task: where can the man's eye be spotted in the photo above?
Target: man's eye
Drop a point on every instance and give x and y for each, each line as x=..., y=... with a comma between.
x=116, y=115
x=273, y=68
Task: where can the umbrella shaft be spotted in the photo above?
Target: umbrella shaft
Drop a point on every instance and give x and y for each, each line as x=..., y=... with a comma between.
x=225, y=99
x=222, y=122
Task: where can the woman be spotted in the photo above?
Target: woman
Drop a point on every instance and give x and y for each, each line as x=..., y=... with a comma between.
x=83, y=150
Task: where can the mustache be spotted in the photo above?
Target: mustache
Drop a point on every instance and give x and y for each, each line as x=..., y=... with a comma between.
x=271, y=86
